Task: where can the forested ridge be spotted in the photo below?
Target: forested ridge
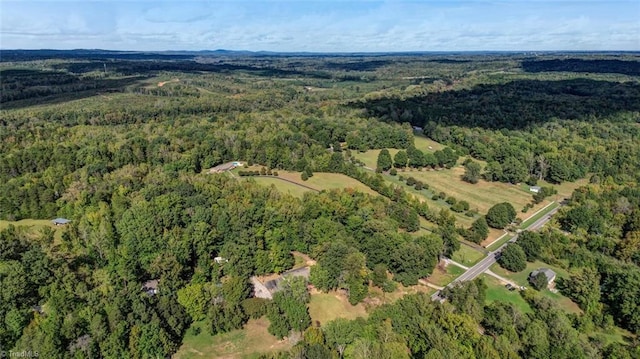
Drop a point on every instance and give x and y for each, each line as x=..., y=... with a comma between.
x=123, y=150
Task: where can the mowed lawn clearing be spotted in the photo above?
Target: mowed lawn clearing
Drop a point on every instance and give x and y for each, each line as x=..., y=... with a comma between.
x=481, y=196
x=426, y=144
x=286, y=181
x=325, y=307
x=251, y=341
x=496, y=291
x=467, y=256
x=378, y=297
x=370, y=158
x=425, y=195
x=443, y=276
x=522, y=278
x=34, y=225
x=327, y=181
x=282, y=186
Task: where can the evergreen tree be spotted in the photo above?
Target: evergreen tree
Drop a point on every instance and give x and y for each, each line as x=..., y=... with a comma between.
x=400, y=159
x=384, y=162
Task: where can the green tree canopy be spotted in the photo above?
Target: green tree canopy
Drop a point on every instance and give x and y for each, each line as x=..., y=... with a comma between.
x=472, y=171
x=400, y=159
x=513, y=258
x=384, y=160
x=500, y=215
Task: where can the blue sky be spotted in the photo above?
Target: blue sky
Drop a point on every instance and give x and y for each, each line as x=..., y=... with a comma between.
x=329, y=25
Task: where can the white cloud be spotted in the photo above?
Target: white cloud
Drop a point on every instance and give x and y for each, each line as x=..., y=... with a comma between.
x=322, y=26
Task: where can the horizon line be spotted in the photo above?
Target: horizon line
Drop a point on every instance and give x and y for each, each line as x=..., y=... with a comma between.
x=330, y=52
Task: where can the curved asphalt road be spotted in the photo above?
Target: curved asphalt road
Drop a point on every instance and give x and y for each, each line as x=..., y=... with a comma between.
x=490, y=259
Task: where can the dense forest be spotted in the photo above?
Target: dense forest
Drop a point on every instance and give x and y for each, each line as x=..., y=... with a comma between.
x=121, y=144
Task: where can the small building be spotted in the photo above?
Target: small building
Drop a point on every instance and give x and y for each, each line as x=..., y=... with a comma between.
x=60, y=221
x=150, y=287
x=220, y=260
x=37, y=309
x=551, y=275
x=223, y=167
x=268, y=288
x=535, y=189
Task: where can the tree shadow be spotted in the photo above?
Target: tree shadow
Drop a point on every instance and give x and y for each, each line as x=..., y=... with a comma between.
x=357, y=64
x=631, y=68
x=513, y=105
x=149, y=68
x=23, y=88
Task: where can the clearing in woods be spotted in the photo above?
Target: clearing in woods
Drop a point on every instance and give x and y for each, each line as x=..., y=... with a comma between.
x=522, y=278
x=370, y=158
x=496, y=291
x=481, y=196
x=320, y=181
x=162, y=83
x=33, y=226
x=444, y=274
x=252, y=340
x=325, y=307
x=283, y=186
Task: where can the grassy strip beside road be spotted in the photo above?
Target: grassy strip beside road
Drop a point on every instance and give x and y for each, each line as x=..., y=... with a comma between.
x=541, y=213
x=441, y=277
x=502, y=240
x=467, y=256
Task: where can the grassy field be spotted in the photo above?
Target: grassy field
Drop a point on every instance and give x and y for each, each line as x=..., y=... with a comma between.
x=481, y=196
x=467, y=256
x=564, y=189
x=282, y=186
x=34, y=225
x=323, y=180
x=497, y=292
x=370, y=158
x=248, y=342
x=441, y=277
x=325, y=307
x=522, y=279
x=426, y=195
x=320, y=181
x=379, y=297
x=425, y=144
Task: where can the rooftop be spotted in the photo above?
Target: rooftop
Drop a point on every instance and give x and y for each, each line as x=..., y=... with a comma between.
x=551, y=275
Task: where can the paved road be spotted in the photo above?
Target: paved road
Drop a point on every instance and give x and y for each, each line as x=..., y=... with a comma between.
x=490, y=259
